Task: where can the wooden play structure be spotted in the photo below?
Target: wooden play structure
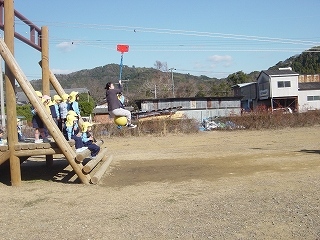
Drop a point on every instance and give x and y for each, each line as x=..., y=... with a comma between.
x=16, y=152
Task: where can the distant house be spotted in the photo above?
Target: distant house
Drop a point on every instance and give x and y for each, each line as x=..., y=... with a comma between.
x=248, y=92
x=282, y=88
x=198, y=108
x=278, y=89
x=101, y=114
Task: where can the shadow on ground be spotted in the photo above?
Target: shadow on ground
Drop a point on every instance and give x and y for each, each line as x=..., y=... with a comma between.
x=36, y=169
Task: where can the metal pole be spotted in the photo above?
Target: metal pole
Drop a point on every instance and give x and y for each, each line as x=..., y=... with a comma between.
x=121, y=66
x=171, y=69
x=125, y=82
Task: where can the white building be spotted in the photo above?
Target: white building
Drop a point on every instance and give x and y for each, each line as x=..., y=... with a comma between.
x=309, y=96
x=278, y=89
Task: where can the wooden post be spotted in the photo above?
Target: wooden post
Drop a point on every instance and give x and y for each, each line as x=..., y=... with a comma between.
x=45, y=73
x=54, y=81
x=45, y=117
x=15, y=171
x=45, y=61
x=49, y=160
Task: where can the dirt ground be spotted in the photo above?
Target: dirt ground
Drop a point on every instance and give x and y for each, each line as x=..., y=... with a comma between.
x=210, y=185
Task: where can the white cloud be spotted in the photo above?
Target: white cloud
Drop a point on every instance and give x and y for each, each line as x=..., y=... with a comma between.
x=225, y=60
x=66, y=46
x=61, y=71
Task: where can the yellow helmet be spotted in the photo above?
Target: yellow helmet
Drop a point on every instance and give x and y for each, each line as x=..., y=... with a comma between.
x=70, y=120
x=39, y=94
x=73, y=95
x=57, y=98
x=72, y=113
x=85, y=126
x=65, y=96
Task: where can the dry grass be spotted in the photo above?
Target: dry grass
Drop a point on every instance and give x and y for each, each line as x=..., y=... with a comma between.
x=276, y=120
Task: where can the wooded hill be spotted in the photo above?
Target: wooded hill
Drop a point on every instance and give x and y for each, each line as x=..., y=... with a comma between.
x=141, y=83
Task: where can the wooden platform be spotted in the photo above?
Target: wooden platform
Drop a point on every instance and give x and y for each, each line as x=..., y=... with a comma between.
x=23, y=150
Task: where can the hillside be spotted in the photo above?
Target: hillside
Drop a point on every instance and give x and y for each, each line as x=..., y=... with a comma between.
x=305, y=63
x=140, y=83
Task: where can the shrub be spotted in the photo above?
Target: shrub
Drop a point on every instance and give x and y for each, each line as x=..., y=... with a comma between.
x=276, y=120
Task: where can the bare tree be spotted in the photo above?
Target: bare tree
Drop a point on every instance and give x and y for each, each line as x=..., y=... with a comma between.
x=158, y=86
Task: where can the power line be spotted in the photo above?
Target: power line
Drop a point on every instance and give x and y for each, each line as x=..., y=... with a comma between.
x=181, y=32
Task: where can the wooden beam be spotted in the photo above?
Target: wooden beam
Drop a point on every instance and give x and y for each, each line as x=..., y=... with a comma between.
x=98, y=175
x=91, y=164
x=45, y=60
x=43, y=114
x=40, y=151
x=54, y=81
x=4, y=156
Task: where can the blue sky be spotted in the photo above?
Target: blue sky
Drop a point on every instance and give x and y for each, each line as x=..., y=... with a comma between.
x=209, y=37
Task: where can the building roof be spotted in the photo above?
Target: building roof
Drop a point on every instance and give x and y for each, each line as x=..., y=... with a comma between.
x=101, y=109
x=240, y=85
x=309, y=86
x=282, y=72
x=185, y=99
x=22, y=98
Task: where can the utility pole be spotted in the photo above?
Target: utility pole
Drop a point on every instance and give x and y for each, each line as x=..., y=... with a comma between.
x=126, y=84
x=171, y=69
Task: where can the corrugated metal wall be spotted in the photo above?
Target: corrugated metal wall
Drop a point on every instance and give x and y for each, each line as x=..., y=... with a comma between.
x=198, y=109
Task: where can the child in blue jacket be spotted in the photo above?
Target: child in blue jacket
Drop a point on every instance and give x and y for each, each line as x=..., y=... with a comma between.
x=88, y=140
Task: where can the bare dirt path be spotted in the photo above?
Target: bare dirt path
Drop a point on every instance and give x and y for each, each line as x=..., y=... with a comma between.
x=211, y=185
